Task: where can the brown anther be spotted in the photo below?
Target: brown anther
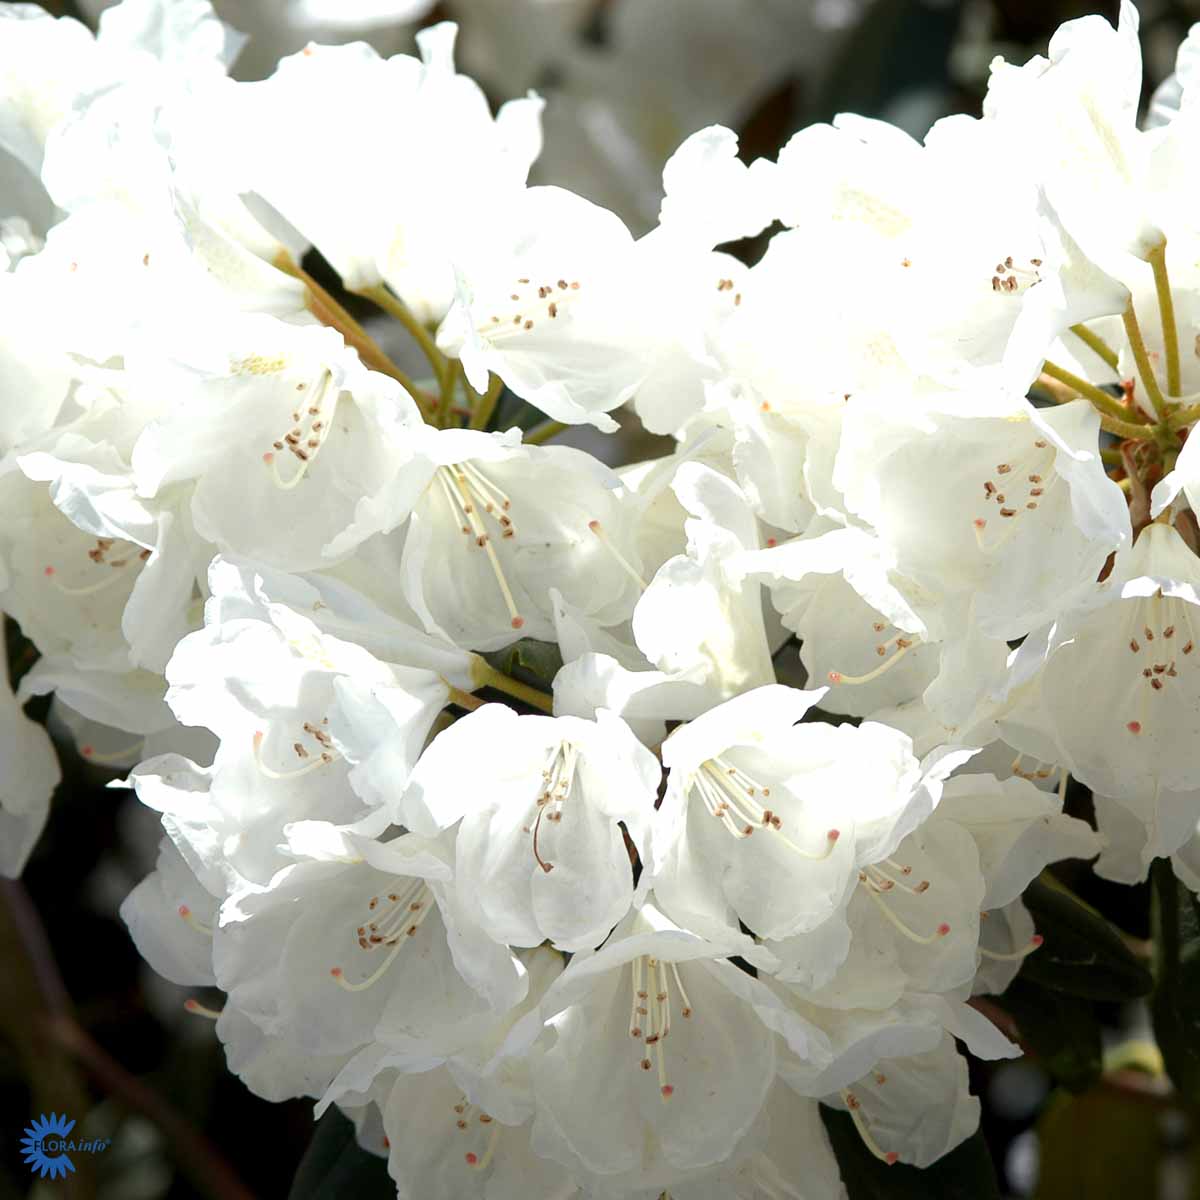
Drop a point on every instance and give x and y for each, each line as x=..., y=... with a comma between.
x=1036, y=491
x=1169, y=631
x=1040, y=444
x=1156, y=684
x=878, y=626
x=300, y=750
x=1035, y=479
x=1008, y=512
x=528, y=324
x=1003, y=468
x=562, y=283
x=1134, y=645
x=522, y=280
x=1188, y=647
x=646, y=1064
x=1148, y=634
x=737, y=299
x=1031, y=504
x=145, y=554
x=553, y=310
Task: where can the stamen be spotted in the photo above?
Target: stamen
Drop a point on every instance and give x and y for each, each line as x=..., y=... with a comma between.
x=855, y=1108
x=622, y=561
x=479, y=1164
x=201, y=1010
x=113, y=756
x=911, y=934
x=1016, y=956
x=191, y=919
x=904, y=645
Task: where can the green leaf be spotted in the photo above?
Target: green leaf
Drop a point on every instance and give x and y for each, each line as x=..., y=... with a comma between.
x=1062, y=1030
x=532, y=662
x=1175, y=1007
x=1081, y=953
x=966, y=1173
x=336, y=1165
x=1103, y=1145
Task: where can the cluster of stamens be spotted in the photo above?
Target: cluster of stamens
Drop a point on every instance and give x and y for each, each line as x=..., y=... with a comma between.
x=1011, y=278
x=1028, y=476
x=878, y=882
x=466, y=1117
x=306, y=436
x=1158, y=640
x=528, y=307
x=100, y=554
x=392, y=918
x=891, y=651
x=650, y=1015
x=557, y=780
x=731, y=796
x=321, y=754
x=475, y=499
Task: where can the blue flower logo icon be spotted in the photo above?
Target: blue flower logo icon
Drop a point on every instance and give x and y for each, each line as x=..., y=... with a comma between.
x=41, y=1146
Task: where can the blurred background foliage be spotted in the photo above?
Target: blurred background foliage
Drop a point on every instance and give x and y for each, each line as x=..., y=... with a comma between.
x=87, y=1028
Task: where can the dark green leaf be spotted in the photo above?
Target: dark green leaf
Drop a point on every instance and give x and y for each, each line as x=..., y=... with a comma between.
x=1062, y=1030
x=1176, y=1003
x=335, y=1165
x=1081, y=954
x=966, y=1173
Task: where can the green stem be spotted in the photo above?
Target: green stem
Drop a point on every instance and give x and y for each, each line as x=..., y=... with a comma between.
x=485, y=675
x=487, y=403
x=462, y=699
x=379, y=295
x=446, y=402
x=1113, y=457
x=1183, y=417
x=1103, y=402
x=1097, y=344
x=1166, y=309
x=1133, y=331
x=544, y=432
x=329, y=312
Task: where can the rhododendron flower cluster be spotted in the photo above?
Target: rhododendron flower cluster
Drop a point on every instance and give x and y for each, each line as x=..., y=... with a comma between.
x=614, y=924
